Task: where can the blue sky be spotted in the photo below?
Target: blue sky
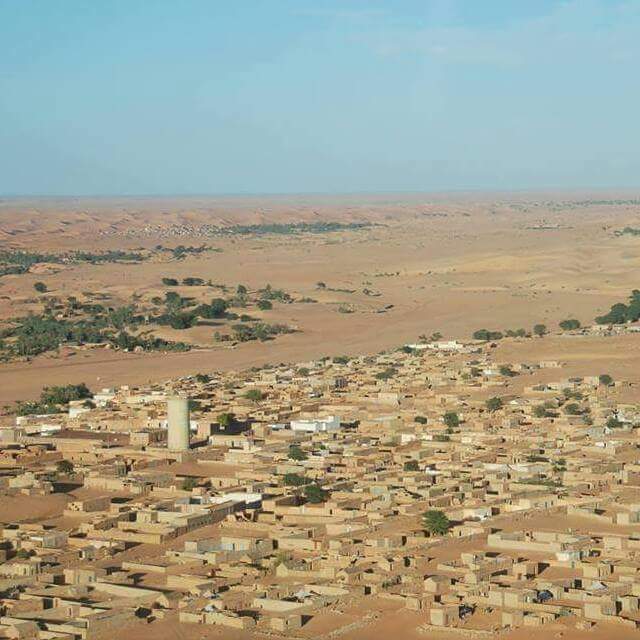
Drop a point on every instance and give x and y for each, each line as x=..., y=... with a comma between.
x=273, y=96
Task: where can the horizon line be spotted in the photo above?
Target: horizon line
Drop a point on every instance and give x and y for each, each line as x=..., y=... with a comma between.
x=245, y=194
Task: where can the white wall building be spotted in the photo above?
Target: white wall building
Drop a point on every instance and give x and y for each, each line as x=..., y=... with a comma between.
x=330, y=423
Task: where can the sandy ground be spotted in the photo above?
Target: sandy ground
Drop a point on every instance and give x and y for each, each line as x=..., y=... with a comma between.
x=444, y=264
x=374, y=623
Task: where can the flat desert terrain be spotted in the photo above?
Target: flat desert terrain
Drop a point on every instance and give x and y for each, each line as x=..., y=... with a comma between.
x=401, y=267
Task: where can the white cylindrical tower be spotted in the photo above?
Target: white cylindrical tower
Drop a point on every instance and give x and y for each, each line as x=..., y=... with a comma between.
x=178, y=423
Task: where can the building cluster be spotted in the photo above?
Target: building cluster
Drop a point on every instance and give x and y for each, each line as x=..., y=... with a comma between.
x=264, y=498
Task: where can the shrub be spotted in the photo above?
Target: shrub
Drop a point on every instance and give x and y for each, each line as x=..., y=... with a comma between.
x=169, y=282
x=40, y=287
x=494, y=404
x=387, y=374
x=570, y=324
x=486, y=335
x=411, y=465
x=65, y=394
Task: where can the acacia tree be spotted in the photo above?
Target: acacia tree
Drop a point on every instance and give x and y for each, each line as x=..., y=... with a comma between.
x=540, y=330
x=569, y=324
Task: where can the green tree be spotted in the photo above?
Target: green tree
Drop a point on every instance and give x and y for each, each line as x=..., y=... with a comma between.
x=315, y=493
x=64, y=466
x=64, y=394
x=570, y=324
x=226, y=419
x=614, y=423
x=296, y=453
x=572, y=409
x=192, y=282
x=264, y=305
x=451, y=419
x=540, y=411
x=436, y=522
x=40, y=287
x=540, y=329
x=485, y=334
x=605, y=380
x=507, y=371
x=295, y=480
x=494, y=404
x=182, y=320
x=255, y=395
x=387, y=374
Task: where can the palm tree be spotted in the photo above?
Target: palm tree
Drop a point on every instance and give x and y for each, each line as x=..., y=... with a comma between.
x=436, y=522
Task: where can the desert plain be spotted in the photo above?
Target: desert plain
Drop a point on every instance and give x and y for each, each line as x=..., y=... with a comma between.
x=446, y=263
x=382, y=427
